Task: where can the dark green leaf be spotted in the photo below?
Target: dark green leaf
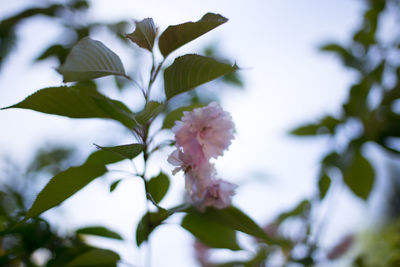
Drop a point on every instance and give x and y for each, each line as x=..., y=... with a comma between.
x=77, y=102
x=148, y=223
x=324, y=183
x=151, y=110
x=90, y=59
x=64, y=185
x=125, y=151
x=95, y=257
x=359, y=176
x=114, y=185
x=99, y=231
x=210, y=232
x=176, y=36
x=158, y=186
x=177, y=114
x=144, y=34
x=191, y=70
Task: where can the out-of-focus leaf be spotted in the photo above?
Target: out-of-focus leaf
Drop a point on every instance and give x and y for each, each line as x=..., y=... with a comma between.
x=148, y=223
x=114, y=185
x=345, y=55
x=144, y=34
x=176, y=36
x=234, y=79
x=70, y=181
x=210, y=232
x=192, y=70
x=129, y=151
x=77, y=102
x=299, y=210
x=177, y=114
x=95, y=257
x=90, y=59
x=327, y=125
x=324, y=183
x=57, y=50
x=235, y=219
x=151, y=110
x=257, y=260
x=359, y=176
x=99, y=231
x=158, y=186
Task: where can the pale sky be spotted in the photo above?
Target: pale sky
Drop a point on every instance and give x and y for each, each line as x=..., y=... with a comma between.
x=288, y=82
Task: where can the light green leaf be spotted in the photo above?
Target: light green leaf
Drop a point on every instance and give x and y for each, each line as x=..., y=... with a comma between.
x=324, y=183
x=99, y=231
x=177, y=114
x=90, y=59
x=151, y=110
x=158, y=186
x=129, y=151
x=77, y=102
x=359, y=176
x=144, y=34
x=192, y=70
x=176, y=36
x=95, y=257
x=210, y=232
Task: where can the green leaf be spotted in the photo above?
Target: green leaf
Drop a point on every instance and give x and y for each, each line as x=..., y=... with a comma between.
x=176, y=36
x=326, y=125
x=125, y=151
x=95, y=257
x=324, y=183
x=192, y=70
x=177, y=114
x=64, y=185
x=298, y=210
x=77, y=102
x=151, y=110
x=359, y=176
x=158, y=186
x=144, y=34
x=99, y=231
x=90, y=59
x=210, y=232
x=102, y=157
x=114, y=185
x=345, y=55
x=70, y=181
x=235, y=219
x=59, y=51
x=148, y=223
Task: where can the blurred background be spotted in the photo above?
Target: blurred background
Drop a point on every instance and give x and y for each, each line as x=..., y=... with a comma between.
x=316, y=109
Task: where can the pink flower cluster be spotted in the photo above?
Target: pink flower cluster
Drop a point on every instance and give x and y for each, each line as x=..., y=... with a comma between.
x=202, y=134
